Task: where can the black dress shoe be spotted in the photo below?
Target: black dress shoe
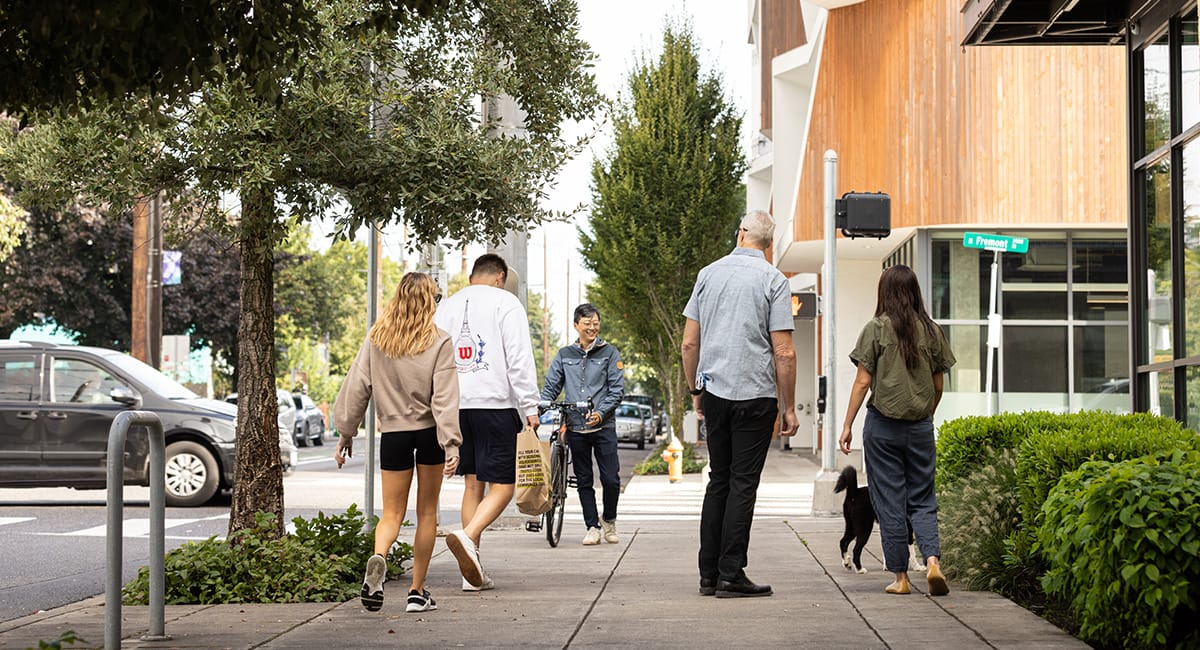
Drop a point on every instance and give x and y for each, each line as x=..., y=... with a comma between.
x=708, y=586
x=741, y=588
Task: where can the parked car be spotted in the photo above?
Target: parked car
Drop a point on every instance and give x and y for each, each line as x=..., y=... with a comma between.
x=631, y=427
x=286, y=419
x=57, y=403
x=648, y=420
x=656, y=411
x=310, y=421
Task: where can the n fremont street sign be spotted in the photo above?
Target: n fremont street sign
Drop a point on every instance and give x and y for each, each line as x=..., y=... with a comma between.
x=998, y=243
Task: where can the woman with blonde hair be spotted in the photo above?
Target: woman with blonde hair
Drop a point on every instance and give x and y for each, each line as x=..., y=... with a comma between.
x=902, y=358
x=407, y=365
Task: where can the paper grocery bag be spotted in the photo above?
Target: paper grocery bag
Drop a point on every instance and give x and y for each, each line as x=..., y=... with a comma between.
x=533, y=472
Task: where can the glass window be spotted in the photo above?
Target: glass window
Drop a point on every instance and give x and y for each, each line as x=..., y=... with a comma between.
x=19, y=379
x=1035, y=359
x=969, y=373
x=1191, y=245
x=1156, y=93
x=1099, y=261
x=1191, y=418
x=1101, y=359
x=1031, y=305
x=1045, y=262
x=1162, y=393
x=75, y=381
x=1190, y=73
x=1157, y=195
x=960, y=283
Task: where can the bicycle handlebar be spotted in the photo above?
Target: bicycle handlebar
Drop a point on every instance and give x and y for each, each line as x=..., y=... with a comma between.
x=583, y=406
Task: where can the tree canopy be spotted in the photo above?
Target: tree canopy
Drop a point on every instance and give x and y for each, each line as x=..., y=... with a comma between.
x=666, y=200
x=406, y=142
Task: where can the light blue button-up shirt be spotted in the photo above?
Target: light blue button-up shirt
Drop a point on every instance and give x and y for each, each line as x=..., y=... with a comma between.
x=738, y=301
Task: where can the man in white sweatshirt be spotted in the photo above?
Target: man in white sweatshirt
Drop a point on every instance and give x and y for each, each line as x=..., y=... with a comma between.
x=498, y=396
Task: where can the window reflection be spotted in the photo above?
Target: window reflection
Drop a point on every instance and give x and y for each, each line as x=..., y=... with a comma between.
x=1190, y=71
x=1156, y=94
x=1158, y=279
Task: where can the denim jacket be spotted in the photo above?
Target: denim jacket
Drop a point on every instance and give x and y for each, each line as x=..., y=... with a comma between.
x=596, y=374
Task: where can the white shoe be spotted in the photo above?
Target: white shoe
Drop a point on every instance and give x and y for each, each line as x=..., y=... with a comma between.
x=420, y=602
x=373, y=578
x=467, y=554
x=487, y=585
x=592, y=537
x=610, y=531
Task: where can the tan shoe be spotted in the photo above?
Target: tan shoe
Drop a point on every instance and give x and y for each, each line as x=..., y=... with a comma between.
x=610, y=531
x=899, y=587
x=937, y=581
x=592, y=537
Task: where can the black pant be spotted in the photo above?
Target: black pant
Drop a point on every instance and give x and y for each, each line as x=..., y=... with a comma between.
x=603, y=444
x=739, y=435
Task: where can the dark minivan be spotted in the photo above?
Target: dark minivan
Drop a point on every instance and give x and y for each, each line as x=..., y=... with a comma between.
x=57, y=403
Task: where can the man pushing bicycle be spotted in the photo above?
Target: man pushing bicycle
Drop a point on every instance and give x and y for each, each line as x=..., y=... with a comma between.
x=591, y=369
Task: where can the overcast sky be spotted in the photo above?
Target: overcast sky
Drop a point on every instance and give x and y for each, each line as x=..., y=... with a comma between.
x=619, y=31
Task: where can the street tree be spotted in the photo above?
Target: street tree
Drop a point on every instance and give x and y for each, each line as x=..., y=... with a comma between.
x=666, y=200
x=424, y=156
x=71, y=54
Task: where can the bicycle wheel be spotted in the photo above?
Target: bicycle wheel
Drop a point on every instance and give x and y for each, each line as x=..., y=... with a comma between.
x=558, y=493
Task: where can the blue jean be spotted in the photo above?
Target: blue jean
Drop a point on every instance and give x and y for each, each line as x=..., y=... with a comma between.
x=901, y=461
x=739, y=436
x=603, y=445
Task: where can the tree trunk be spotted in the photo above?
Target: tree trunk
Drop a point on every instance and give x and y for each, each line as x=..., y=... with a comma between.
x=258, y=479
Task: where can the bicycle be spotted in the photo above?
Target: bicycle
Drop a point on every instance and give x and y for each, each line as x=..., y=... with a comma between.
x=560, y=463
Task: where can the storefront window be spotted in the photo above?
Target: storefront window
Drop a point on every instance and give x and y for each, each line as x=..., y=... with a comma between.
x=1156, y=93
x=1162, y=393
x=959, y=290
x=1158, y=261
x=1102, y=367
x=1035, y=284
x=1191, y=417
x=1035, y=359
x=1190, y=71
x=1191, y=245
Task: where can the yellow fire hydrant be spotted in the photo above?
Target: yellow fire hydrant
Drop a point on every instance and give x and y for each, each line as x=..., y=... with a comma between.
x=673, y=454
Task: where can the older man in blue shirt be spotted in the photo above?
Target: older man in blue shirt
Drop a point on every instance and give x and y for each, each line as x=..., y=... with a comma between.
x=740, y=364
x=591, y=369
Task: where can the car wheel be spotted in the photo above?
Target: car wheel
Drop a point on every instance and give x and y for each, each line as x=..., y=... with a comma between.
x=192, y=474
x=302, y=438
x=642, y=442
x=319, y=439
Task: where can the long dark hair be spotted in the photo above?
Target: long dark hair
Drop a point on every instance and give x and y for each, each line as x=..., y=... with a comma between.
x=900, y=300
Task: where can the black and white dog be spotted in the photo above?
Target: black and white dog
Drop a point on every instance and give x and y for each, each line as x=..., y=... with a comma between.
x=860, y=522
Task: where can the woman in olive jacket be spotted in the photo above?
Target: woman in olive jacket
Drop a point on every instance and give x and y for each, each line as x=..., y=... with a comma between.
x=902, y=357
x=407, y=365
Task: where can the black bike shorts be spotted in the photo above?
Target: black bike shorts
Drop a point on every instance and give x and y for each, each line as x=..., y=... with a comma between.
x=398, y=449
x=489, y=446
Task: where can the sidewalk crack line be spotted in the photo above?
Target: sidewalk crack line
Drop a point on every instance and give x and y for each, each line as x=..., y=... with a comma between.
x=603, y=588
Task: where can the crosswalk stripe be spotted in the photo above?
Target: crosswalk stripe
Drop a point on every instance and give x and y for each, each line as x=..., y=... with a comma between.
x=14, y=520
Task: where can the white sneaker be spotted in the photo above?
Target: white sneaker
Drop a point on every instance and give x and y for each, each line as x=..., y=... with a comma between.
x=467, y=554
x=592, y=537
x=487, y=584
x=610, y=531
x=372, y=589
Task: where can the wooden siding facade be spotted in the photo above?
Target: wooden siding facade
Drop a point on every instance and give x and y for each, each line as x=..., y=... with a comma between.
x=782, y=29
x=995, y=136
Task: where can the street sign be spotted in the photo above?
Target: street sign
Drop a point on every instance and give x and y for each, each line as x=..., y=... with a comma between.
x=998, y=243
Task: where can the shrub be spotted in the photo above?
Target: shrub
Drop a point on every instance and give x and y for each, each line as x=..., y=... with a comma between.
x=976, y=513
x=965, y=443
x=1095, y=435
x=654, y=464
x=321, y=562
x=1123, y=544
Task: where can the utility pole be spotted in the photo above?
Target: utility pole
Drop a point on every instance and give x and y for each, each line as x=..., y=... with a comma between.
x=545, y=308
x=567, y=304
x=146, y=299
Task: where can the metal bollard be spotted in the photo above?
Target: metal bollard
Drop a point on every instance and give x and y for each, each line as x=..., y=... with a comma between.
x=114, y=540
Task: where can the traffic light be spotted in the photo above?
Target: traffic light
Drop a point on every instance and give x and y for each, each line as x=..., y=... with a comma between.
x=804, y=305
x=864, y=214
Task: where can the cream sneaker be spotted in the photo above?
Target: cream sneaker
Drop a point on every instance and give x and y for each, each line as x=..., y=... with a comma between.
x=592, y=537
x=610, y=531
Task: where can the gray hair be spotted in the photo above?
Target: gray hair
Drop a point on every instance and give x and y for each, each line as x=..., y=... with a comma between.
x=759, y=227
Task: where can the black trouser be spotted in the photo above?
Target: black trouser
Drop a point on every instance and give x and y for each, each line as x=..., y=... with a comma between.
x=739, y=435
x=602, y=444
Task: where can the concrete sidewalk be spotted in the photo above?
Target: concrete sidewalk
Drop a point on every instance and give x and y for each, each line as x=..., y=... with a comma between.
x=640, y=592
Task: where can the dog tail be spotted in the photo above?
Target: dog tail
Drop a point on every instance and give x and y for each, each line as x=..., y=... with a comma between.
x=847, y=480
